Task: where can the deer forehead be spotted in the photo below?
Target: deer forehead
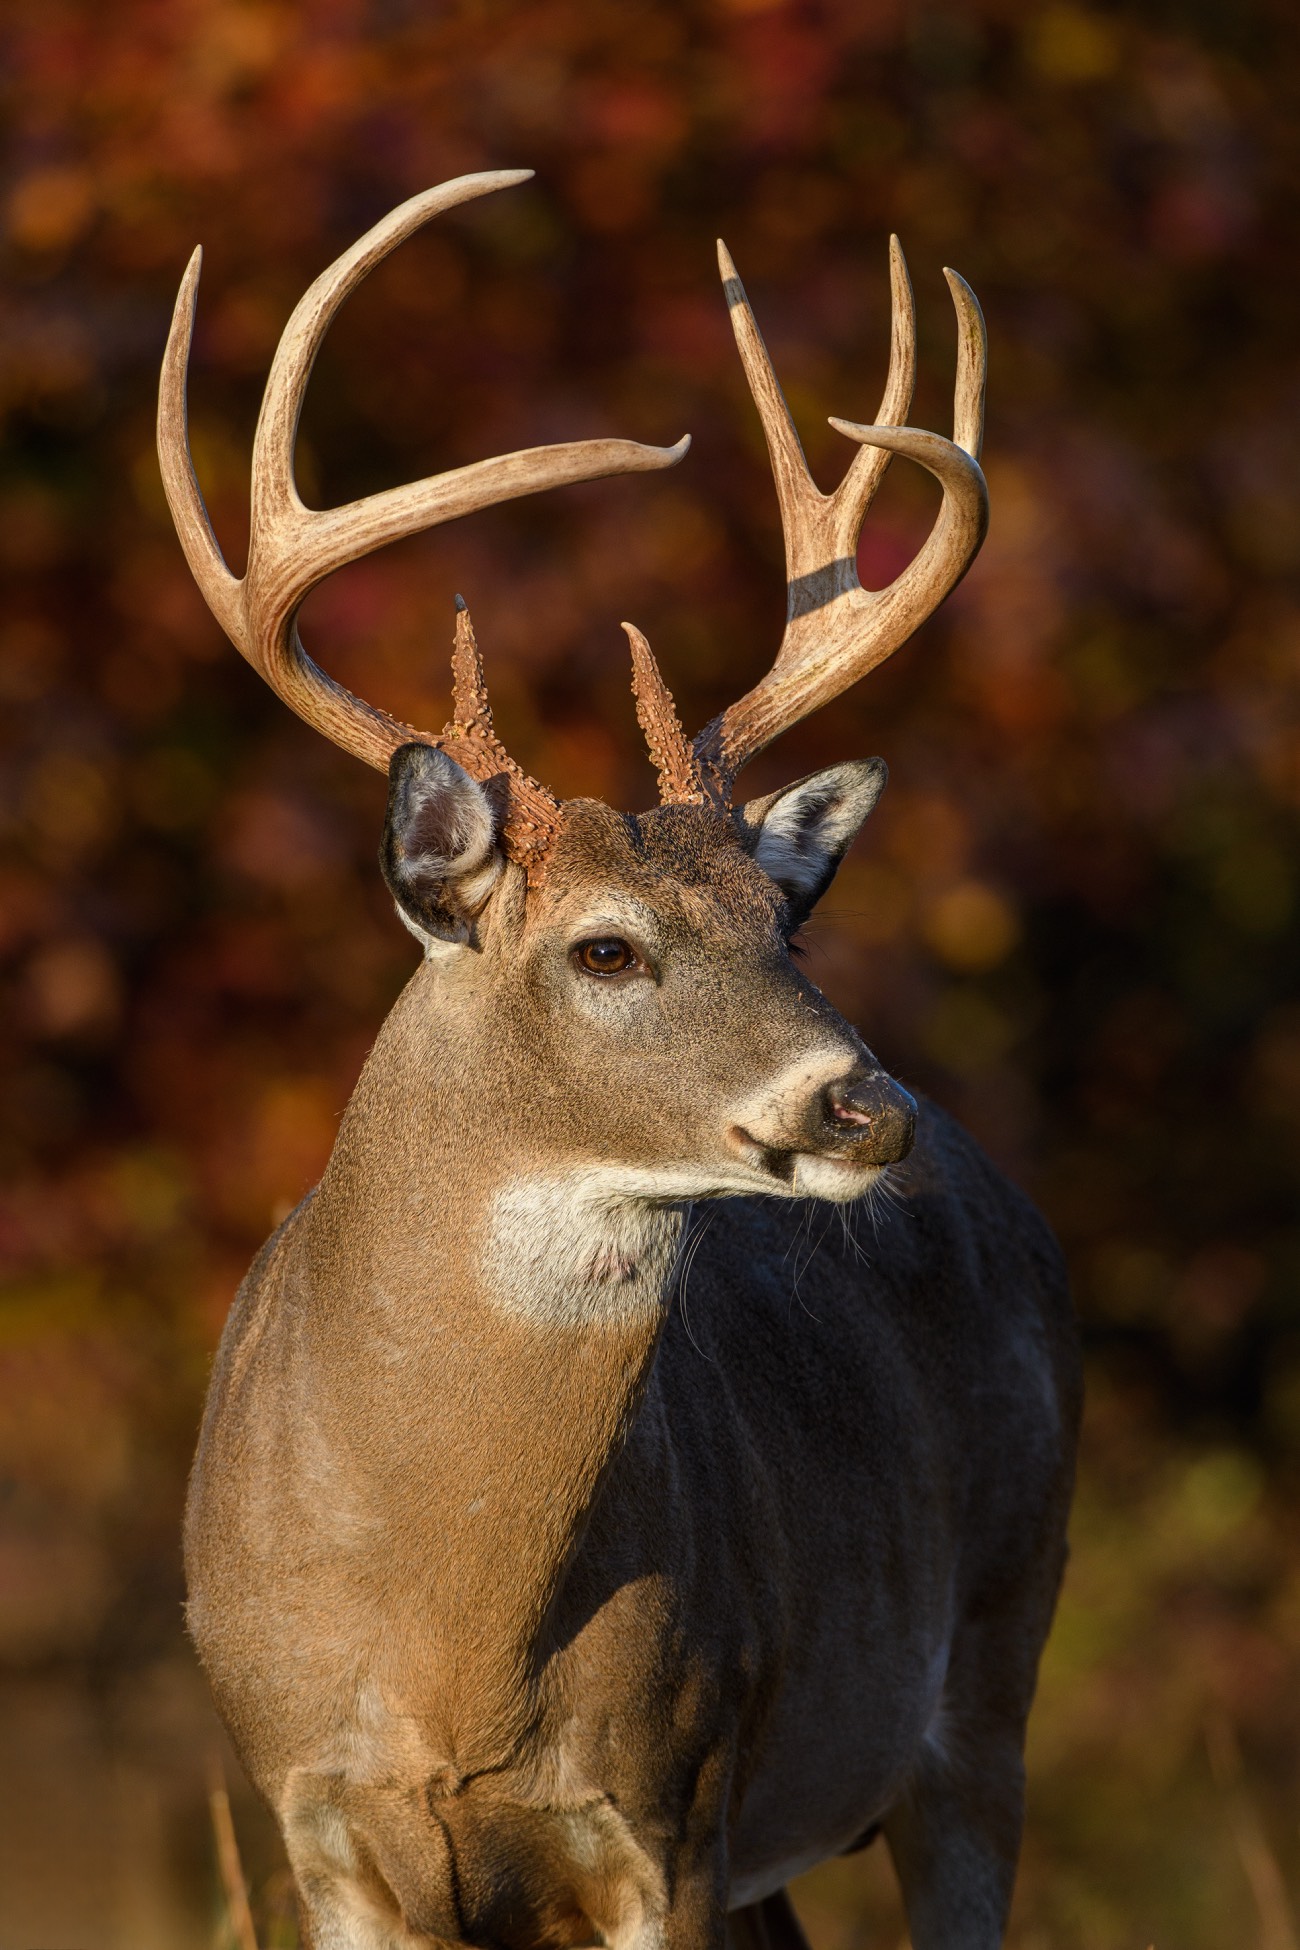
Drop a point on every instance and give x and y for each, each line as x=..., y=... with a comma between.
x=684, y=867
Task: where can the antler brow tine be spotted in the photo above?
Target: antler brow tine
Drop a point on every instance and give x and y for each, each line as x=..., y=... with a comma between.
x=293, y=547
x=835, y=630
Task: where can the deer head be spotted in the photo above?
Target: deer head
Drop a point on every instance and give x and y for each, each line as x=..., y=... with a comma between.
x=620, y=989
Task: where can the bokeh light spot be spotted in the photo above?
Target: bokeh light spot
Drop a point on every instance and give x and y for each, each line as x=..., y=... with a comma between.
x=971, y=927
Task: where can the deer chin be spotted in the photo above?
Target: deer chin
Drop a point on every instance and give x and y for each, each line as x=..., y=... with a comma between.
x=837, y=1180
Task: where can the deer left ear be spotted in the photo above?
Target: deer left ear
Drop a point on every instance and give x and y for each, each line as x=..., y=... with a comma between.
x=800, y=834
x=439, y=854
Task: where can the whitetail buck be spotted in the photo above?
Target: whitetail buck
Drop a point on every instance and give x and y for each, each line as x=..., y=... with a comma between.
x=537, y=1620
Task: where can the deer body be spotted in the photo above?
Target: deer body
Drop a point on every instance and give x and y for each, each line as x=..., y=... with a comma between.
x=588, y=1532
x=553, y=1622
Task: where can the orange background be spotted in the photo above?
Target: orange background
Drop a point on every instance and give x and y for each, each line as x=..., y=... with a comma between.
x=1073, y=918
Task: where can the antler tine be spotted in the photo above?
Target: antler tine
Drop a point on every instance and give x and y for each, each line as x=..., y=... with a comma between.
x=670, y=750
x=857, y=491
x=274, y=486
x=972, y=366
x=836, y=631
x=293, y=547
x=220, y=589
x=789, y=468
x=341, y=535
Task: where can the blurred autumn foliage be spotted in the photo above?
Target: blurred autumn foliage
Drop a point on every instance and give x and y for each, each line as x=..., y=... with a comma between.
x=1073, y=919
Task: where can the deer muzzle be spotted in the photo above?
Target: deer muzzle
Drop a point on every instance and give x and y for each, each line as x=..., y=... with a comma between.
x=860, y=1119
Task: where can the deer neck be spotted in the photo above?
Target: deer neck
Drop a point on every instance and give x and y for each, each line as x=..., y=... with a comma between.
x=485, y=1333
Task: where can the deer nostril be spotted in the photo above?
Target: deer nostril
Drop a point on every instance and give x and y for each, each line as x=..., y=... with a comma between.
x=878, y=1113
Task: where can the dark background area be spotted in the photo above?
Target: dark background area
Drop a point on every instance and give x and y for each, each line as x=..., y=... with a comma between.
x=1073, y=919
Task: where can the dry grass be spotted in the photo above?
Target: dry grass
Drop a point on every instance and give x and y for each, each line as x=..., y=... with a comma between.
x=1277, y=1923
x=235, y=1930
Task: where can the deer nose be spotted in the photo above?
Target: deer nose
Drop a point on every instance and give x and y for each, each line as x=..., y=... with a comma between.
x=873, y=1113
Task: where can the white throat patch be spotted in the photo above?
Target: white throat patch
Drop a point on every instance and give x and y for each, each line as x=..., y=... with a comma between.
x=597, y=1245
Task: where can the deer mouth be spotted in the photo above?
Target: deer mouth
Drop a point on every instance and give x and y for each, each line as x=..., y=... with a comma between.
x=772, y=1160
x=837, y=1172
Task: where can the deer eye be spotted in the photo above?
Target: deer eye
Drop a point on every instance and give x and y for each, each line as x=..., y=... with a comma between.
x=607, y=955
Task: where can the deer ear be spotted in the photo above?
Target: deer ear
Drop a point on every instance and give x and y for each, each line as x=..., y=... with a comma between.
x=439, y=854
x=800, y=834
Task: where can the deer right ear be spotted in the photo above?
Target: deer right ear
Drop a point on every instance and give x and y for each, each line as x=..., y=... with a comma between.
x=800, y=834
x=439, y=854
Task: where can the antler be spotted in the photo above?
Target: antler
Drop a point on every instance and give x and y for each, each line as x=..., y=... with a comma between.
x=671, y=753
x=293, y=547
x=836, y=631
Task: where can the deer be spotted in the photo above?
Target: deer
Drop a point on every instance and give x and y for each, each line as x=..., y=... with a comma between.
x=542, y=1611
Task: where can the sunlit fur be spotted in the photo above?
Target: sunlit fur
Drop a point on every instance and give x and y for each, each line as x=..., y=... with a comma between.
x=594, y=1523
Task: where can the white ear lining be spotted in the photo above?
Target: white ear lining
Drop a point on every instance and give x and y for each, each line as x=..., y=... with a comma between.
x=801, y=834
x=473, y=836
x=473, y=888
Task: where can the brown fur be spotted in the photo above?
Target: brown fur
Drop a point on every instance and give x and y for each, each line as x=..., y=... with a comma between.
x=545, y=1611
